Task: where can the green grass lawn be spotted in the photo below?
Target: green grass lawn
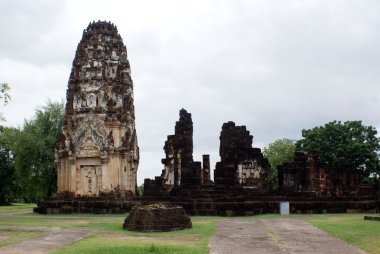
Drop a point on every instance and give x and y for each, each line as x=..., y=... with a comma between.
x=111, y=238
x=351, y=228
x=19, y=208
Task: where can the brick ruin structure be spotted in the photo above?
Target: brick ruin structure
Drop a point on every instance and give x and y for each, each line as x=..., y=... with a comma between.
x=158, y=217
x=242, y=179
x=97, y=154
x=180, y=169
x=241, y=164
x=306, y=176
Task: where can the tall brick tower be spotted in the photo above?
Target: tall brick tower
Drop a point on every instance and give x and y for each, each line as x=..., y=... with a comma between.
x=97, y=151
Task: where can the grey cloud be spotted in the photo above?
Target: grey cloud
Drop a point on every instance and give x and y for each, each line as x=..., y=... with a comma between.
x=30, y=30
x=276, y=67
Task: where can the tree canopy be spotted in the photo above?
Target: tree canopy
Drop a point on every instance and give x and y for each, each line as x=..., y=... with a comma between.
x=34, y=148
x=343, y=145
x=279, y=152
x=4, y=97
x=27, y=168
x=4, y=93
x=8, y=186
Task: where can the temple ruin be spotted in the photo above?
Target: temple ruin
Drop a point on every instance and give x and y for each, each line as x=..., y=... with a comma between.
x=242, y=167
x=97, y=152
x=242, y=184
x=305, y=176
x=97, y=155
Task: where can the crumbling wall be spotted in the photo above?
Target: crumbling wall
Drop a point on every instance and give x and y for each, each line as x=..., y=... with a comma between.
x=179, y=167
x=306, y=176
x=179, y=163
x=241, y=164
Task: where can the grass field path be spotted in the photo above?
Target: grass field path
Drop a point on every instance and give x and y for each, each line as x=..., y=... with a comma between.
x=279, y=235
x=53, y=238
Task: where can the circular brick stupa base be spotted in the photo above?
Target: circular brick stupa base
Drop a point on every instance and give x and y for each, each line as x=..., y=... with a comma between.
x=156, y=218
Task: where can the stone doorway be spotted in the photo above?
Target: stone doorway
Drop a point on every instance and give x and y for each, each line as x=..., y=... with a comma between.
x=90, y=179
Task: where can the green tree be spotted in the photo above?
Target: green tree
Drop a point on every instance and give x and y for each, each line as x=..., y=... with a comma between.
x=8, y=187
x=140, y=190
x=6, y=154
x=4, y=93
x=279, y=152
x=344, y=145
x=35, y=147
x=4, y=97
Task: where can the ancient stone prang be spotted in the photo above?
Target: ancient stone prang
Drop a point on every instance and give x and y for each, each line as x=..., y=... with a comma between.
x=97, y=151
x=157, y=217
x=241, y=164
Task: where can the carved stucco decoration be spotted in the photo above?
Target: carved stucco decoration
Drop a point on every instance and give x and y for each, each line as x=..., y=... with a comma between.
x=90, y=127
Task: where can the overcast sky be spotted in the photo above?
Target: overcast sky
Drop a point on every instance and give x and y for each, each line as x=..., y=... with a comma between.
x=275, y=66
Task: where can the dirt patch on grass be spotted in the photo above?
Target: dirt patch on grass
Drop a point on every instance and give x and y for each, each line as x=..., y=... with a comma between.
x=3, y=237
x=152, y=238
x=80, y=222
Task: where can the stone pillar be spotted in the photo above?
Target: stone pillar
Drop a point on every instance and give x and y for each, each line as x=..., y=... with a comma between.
x=67, y=174
x=62, y=184
x=116, y=135
x=72, y=180
x=206, y=168
x=105, y=176
x=78, y=179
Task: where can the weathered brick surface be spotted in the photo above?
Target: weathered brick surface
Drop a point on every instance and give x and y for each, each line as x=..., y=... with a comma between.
x=241, y=164
x=157, y=217
x=305, y=176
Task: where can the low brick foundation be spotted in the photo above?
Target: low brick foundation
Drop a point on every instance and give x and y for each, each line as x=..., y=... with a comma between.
x=224, y=206
x=372, y=218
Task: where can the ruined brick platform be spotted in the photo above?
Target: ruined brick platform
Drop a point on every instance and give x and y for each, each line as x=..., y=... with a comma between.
x=217, y=205
x=372, y=218
x=156, y=218
x=67, y=202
